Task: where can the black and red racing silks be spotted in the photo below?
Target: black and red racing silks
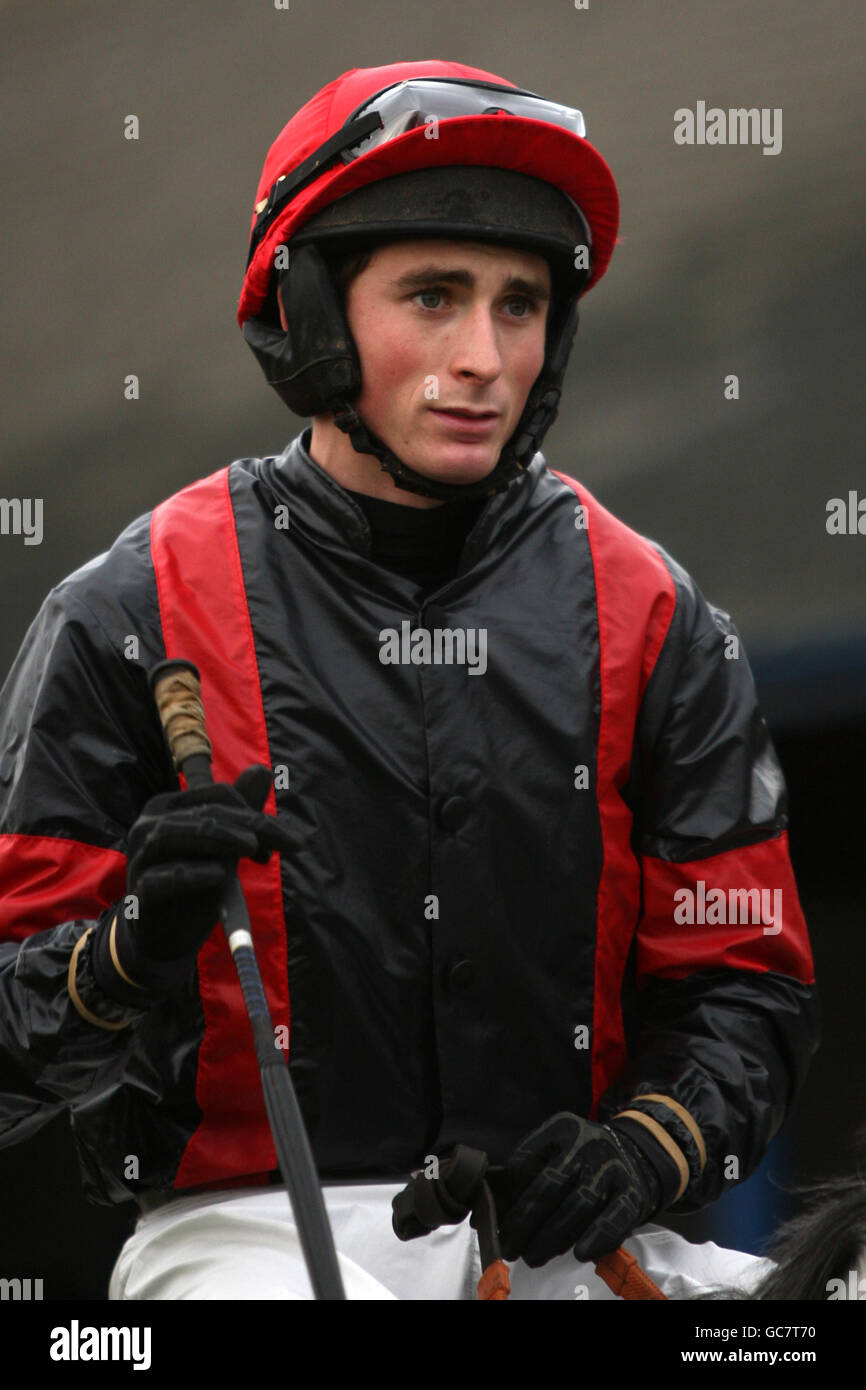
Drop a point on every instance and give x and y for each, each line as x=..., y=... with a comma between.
x=481, y=922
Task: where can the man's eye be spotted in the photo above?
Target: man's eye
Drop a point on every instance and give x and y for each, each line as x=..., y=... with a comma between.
x=432, y=292
x=528, y=304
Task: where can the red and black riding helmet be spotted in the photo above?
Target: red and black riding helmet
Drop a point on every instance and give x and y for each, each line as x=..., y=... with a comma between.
x=426, y=149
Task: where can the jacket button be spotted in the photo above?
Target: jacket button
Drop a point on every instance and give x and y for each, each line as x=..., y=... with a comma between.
x=459, y=976
x=452, y=813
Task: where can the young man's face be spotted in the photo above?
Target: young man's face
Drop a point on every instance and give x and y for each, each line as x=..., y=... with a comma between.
x=448, y=325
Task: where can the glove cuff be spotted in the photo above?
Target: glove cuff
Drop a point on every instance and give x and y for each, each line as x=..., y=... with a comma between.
x=652, y=1159
x=86, y=987
x=108, y=973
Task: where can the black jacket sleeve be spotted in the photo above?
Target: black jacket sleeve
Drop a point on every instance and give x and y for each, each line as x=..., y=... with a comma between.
x=724, y=1014
x=80, y=753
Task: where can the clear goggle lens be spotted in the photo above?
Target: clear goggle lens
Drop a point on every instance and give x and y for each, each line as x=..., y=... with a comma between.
x=425, y=102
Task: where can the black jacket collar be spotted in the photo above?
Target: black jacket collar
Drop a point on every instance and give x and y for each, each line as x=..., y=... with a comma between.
x=329, y=516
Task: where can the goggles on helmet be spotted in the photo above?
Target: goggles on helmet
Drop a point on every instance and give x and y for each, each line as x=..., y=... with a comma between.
x=424, y=101
x=404, y=106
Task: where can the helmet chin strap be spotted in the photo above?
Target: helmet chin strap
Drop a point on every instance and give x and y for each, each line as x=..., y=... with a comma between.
x=349, y=421
x=538, y=415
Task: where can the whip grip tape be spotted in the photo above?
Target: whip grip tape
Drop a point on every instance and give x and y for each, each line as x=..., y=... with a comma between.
x=177, y=691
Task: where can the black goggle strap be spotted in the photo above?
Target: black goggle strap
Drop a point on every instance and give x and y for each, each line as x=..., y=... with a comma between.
x=288, y=185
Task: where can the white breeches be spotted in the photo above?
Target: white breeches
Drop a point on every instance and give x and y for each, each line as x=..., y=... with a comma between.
x=244, y=1245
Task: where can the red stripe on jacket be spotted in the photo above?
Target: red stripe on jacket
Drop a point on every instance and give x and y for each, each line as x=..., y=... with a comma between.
x=668, y=944
x=635, y=600
x=46, y=880
x=205, y=619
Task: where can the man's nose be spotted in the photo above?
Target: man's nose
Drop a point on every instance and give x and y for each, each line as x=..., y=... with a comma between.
x=476, y=349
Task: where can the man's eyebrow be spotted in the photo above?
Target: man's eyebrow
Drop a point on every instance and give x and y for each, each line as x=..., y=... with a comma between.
x=424, y=275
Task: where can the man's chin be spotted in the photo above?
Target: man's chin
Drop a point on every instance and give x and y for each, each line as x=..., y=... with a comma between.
x=452, y=466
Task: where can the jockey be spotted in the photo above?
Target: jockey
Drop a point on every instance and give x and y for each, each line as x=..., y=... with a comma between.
x=519, y=873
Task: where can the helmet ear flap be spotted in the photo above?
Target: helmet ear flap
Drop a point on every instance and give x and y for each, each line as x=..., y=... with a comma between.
x=314, y=365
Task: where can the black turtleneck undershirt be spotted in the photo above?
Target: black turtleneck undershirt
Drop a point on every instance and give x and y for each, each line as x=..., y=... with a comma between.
x=421, y=543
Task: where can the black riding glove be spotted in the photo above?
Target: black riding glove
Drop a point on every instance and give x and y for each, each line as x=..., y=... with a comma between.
x=575, y=1183
x=181, y=852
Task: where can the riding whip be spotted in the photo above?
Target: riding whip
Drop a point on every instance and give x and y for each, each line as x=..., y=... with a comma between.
x=177, y=690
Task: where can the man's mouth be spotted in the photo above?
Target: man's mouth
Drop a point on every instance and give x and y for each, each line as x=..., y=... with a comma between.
x=462, y=410
x=465, y=424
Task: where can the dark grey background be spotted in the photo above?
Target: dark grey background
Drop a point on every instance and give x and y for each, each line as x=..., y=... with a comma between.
x=127, y=257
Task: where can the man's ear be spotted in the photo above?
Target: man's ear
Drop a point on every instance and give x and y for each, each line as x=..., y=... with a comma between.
x=283, y=319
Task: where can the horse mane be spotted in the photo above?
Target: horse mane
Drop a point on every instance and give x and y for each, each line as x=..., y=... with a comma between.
x=823, y=1242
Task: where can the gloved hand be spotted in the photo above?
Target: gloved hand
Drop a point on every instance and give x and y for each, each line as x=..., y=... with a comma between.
x=573, y=1182
x=181, y=852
